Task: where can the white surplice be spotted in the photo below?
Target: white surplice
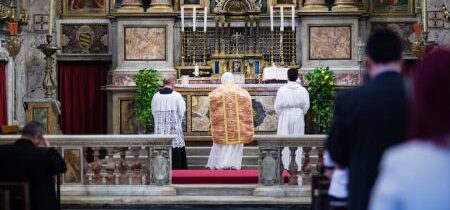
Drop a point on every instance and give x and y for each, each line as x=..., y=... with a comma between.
x=291, y=105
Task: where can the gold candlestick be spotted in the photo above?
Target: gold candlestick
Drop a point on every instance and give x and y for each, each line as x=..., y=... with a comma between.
x=48, y=82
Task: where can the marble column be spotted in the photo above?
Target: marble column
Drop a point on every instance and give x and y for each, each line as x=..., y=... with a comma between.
x=160, y=6
x=344, y=6
x=315, y=6
x=131, y=6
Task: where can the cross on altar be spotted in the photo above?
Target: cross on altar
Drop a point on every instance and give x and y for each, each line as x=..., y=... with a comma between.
x=41, y=22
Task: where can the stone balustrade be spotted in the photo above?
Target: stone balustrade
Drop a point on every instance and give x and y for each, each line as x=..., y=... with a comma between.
x=271, y=167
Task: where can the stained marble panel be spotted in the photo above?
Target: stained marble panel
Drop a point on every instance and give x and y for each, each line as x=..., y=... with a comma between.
x=404, y=30
x=145, y=43
x=73, y=162
x=264, y=116
x=330, y=43
x=84, y=38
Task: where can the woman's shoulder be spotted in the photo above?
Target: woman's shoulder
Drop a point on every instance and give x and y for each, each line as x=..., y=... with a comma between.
x=414, y=149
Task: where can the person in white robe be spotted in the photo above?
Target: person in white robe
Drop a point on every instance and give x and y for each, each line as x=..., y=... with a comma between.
x=168, y=109
x=231, y=111
x=291, y=106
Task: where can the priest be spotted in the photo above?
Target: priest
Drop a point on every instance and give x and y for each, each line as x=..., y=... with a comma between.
x=231, y=116
x=291, y=105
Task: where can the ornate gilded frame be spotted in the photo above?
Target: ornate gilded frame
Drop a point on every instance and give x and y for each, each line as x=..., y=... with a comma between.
x=410, y=12
x=94, y=13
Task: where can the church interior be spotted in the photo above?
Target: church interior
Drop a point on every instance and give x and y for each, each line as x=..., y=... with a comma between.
x=71, y=65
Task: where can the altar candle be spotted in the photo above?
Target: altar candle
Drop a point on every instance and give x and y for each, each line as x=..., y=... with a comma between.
x=282, y=18
x=196, y=70
x=425, y=15
x=293, y=17
x=182, y=18
x=50, y=21
x=194, y=13
x=271, y=18
x=205, y=20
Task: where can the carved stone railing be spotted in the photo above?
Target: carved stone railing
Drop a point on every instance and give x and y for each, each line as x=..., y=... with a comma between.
x=270, y=164
x=112, y=160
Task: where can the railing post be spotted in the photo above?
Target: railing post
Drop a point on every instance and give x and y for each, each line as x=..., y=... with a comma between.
x=269, y=166
x=293, y=167
x=306, y=167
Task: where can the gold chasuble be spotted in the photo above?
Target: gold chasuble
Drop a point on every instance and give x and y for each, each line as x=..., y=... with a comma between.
x=231, y=115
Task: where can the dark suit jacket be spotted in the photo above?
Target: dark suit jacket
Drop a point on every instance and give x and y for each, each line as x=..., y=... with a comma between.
x=24, y=162
x=367, y=120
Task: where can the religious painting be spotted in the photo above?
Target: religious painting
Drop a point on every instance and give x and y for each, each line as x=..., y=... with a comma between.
x=85, y=39
x=73, y=160
x=236, y=66
x=127, y=117
x=85, y=7
x=200, y=114
x=392, y=7
x=330, y=43
x=404, y=30
x=264, y=116
x=41, y=115
x=145, y=43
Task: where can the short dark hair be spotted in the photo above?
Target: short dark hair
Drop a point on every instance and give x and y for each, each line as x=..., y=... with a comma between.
x=292, y=74
x=33, y=129
x=384, y=46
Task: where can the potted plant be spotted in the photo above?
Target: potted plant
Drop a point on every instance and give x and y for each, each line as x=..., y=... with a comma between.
x=322, y=91
x=148, y=82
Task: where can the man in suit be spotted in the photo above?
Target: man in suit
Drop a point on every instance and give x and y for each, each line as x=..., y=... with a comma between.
x=371, y=118
x=31, y=159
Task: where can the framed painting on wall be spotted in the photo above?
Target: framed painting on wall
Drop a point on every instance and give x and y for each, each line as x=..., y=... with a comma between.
x=85, y=8
x=330, y=42
x=145, y=43
x=392, y=7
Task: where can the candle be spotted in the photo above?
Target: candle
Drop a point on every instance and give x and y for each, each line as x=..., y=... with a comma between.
x=293, y=17
x=425, y=15
x=50, y=18
x=282, y=18
x=193, y=18
x=196, y=70
x=182, y=18
x=205, y=17
x=271, y=18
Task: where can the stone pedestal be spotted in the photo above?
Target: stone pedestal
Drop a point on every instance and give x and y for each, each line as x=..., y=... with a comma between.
x=160, y=6
x=131, y=6
x=344, y=6
x=315, y=6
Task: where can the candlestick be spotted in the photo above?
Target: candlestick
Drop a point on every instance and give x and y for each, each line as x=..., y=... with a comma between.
x=196, y=70
x=271, y=18
x=425, y=15
x=194, y=14
x=182, y=18
x=205, y=17
x=282, y=18
x=50, y=21
x=293, y=17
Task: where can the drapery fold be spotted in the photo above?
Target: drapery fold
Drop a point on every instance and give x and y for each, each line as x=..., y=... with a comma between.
x=83, y=103
x=3, y=97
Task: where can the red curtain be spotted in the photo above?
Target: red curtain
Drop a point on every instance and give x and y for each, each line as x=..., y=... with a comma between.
x=83, y=103
x=3, y=106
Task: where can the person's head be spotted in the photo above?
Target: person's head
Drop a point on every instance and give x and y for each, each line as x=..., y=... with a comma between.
x=292, y=74
x=431, y=97
x=227, y=77
x=34, y=131
x=383, y=51
x=169, y=80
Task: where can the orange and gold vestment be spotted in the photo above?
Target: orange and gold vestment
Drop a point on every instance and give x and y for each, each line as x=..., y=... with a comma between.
x=231, y=115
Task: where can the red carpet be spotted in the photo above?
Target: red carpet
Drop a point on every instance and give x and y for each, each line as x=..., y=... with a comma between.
x=216, y=176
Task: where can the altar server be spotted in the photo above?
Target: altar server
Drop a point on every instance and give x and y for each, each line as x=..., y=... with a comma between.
x=291, y=105
x=168, y=108
x=231, y=124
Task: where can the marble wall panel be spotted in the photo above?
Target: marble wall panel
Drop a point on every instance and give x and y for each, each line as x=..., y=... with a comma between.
x=74, y=166
x=84, y=39
x=200, y=114
x=330, y=43
x=145, y=43
x=403, y=29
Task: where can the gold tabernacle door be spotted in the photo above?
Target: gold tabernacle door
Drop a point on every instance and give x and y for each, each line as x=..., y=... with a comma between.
x=231, y=115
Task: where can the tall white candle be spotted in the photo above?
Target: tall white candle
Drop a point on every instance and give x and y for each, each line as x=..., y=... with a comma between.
x=271, y=18
x=196, y=70
x=282, y=18
x=293, y=17
x=425, y=15
x=182, y=18
x=194, y=18
x=50, y=22
x=205, y=17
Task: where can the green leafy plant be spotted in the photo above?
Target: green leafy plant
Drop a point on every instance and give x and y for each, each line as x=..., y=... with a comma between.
x=148, y=82
x=321, y=88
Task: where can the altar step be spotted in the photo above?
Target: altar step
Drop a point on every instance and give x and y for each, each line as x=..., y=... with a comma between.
x=215, y=189
x=197, y=157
